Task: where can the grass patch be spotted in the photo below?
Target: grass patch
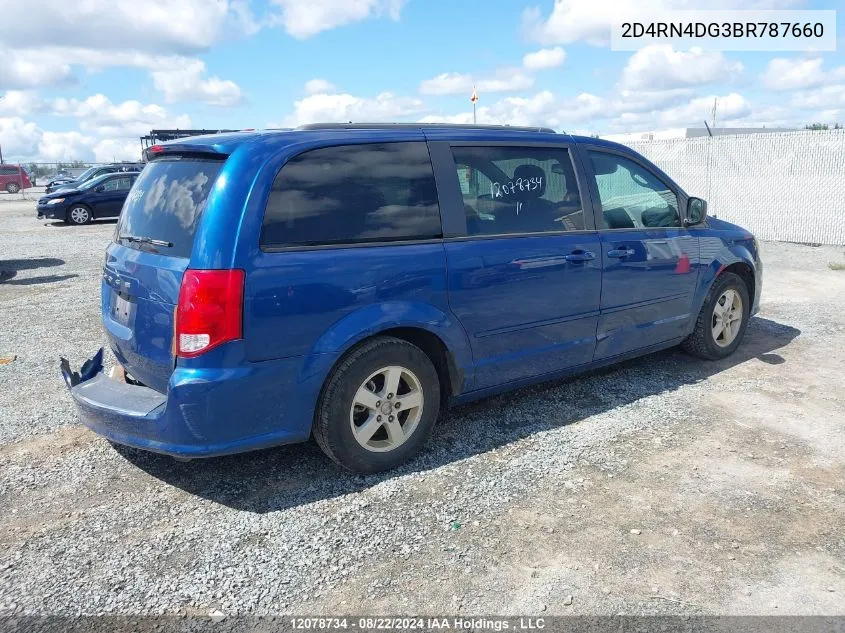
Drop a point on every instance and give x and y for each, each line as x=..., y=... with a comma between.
x=836, y=265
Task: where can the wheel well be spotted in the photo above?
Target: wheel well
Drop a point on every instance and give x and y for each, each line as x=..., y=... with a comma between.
x=436, y=350
x=745, y=273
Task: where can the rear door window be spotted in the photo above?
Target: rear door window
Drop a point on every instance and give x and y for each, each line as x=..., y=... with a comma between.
x=347, y=194
x=510, y=189
x=166, y=203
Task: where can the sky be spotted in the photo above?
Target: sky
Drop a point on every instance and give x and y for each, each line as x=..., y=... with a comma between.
x=84, y=79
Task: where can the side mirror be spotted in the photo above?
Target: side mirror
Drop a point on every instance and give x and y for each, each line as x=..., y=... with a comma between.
x=100, y=188
x=696, y=211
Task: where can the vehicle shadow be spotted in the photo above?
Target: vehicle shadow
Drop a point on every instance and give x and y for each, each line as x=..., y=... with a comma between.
x=9, y=268
x=61, y=224
x=44, y=279
x=279, y=478
x=30, y=263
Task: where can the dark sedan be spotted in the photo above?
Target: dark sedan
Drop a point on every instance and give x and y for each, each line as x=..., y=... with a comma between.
x=65, y=184
x=100, y=197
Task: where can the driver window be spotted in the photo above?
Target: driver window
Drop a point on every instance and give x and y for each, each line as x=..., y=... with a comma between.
x=510, y=189
x=631, y=196
x=110, y=185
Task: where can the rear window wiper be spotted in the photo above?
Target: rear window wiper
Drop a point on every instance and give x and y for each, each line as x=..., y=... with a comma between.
x=135, y=239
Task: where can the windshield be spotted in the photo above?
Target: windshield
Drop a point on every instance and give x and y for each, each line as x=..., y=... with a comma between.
x=166, y=203
x=87, y=173
x=93, y=182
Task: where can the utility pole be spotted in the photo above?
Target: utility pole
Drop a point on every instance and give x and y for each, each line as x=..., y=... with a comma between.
x=474, y=99
x=715, y=105
x=1, y=154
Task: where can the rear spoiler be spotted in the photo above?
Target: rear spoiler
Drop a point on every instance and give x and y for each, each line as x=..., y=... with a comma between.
x=183, y=150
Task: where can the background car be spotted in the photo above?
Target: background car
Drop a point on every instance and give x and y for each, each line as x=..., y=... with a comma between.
x=13, y=178
x=91, y=173
x=100, y=197
x=59, y=178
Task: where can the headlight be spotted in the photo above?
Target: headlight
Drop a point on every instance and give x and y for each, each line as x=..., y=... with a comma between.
x=55, y=201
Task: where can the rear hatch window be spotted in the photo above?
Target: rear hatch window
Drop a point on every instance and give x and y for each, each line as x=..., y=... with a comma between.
x=162, y=210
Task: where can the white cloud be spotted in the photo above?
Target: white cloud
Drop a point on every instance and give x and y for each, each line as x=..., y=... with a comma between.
x=20, y=138
x=109, y=150
x=792, y=74
x=589, y=20
x=729, y=108
x=31, y=69
x=178, y=78
x=446, y=84
x=304, y=18
x=544, y=58
x=543, y=109
x=503, y=80
x=319, y=86
x=733, y=110
x=50, y=37
x=343, y=107
x=66, y=146
x=106, y=131
x=25, y=141
x=98, y=115
x=167, y=26
x=623, y=112
x=830, y=97
x=19, y=103
x=659, y=67
x=187, y=82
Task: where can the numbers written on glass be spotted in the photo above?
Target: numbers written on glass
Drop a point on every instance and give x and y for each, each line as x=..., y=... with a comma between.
x=502, y=190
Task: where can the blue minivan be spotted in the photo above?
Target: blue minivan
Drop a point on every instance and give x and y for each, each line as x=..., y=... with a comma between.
x=348, y=282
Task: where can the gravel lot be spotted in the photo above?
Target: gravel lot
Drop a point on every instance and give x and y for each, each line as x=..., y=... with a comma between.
x=665, y=485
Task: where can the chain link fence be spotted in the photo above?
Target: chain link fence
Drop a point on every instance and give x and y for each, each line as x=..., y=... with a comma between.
x=786, y=186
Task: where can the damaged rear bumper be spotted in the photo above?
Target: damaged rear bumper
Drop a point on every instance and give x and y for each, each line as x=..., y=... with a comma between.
x=194, y=419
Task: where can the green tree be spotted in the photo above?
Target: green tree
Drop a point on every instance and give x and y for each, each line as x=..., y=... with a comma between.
x=816, y=126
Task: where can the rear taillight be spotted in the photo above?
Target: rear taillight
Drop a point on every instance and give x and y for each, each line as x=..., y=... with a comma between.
x=210, y=310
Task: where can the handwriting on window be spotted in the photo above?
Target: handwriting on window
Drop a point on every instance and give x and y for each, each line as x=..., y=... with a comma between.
x=503, y=190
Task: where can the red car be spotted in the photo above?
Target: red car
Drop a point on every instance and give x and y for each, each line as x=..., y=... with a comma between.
x=13, y=178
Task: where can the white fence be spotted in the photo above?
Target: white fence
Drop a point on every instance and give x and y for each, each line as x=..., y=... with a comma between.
x=783, y=186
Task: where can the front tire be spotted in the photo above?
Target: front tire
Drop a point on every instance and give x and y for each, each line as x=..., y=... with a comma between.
x=13, y=187
x=722, y=321
x=79, y=215
x=378, y=407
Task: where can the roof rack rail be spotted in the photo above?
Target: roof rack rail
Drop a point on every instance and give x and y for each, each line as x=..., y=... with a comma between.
x=459, y=126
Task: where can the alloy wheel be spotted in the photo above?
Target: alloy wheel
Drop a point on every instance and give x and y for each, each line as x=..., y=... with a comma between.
x=386, y=409
x=727, y=317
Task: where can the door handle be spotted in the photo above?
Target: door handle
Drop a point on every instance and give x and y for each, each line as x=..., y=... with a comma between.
x=621, y=252
x=580, y=256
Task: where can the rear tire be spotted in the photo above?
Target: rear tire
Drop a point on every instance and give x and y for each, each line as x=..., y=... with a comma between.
x=13, y=187
x=79, y=214
x=723, y=319
x=378, y=406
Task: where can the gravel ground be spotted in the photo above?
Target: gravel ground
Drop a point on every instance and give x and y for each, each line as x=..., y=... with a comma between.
x=664, y=485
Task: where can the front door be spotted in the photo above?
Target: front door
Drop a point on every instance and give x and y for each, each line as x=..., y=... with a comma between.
x=649, y=260
x=525, y=278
